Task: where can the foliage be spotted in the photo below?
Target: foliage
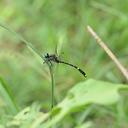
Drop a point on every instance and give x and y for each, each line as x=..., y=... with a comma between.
x=25, y=81
x=79, y=98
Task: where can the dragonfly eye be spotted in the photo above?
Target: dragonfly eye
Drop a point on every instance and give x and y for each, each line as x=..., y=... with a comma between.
x=46, y=56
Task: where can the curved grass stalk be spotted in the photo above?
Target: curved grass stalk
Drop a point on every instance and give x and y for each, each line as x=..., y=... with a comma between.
x=27, y=43
x=30, y=46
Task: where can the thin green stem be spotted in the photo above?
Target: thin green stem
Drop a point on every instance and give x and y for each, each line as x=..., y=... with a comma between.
x=52, y=86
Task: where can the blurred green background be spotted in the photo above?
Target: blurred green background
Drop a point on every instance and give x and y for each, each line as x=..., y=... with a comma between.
x=61, y=23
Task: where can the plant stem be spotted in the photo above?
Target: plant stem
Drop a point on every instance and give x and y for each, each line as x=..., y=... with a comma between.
x=52, y=86
x=109, y=52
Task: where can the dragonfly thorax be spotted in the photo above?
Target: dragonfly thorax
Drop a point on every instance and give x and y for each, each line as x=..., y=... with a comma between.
x=51, y=57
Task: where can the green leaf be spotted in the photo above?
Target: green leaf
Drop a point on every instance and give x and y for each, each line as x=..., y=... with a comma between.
x=86, y=93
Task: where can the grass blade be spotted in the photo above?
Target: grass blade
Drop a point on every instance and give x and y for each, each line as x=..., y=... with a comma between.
x=8, y=97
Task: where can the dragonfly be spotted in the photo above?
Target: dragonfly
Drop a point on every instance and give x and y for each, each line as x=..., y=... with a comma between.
x=54, y=58
x=47, y=58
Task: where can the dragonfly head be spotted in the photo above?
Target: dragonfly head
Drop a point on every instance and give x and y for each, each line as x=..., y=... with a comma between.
x=46, y=55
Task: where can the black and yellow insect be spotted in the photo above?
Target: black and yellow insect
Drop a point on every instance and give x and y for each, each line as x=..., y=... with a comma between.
x=47, y=58
x=53, y=58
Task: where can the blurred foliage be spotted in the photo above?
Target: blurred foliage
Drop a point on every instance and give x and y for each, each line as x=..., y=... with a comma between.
x=103, y=94
x=48, y=24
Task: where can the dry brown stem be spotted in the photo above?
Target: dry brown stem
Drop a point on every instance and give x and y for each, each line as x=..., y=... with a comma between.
x=109, y=52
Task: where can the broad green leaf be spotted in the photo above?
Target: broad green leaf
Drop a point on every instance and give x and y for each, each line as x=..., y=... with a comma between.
x=86, y=93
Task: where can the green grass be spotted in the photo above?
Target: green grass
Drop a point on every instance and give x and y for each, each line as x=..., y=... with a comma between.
x=48, y=24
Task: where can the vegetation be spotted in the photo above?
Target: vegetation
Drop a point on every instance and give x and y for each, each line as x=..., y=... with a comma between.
x=99, y=101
